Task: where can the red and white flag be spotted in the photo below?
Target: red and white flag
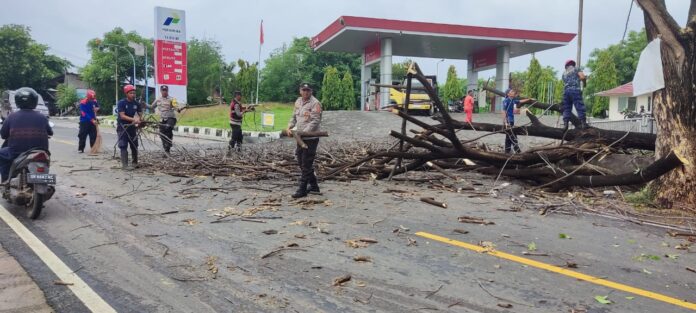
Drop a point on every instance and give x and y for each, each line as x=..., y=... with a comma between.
x=261, y=38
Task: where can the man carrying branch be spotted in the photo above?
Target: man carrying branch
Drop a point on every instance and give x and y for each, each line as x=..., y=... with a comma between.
x=509, y=104
x=306, y=117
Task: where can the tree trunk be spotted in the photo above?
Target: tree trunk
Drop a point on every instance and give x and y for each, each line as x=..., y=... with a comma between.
x=674, y=106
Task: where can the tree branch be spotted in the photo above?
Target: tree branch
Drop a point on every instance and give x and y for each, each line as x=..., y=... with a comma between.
x=656, y=15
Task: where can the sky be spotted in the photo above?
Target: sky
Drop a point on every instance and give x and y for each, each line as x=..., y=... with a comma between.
x=67, y=26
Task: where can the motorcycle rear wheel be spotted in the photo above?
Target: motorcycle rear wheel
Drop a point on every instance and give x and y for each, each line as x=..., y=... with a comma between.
x=35, y=205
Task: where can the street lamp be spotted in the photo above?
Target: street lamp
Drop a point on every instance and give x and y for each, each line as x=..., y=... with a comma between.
x=437, y=68
x=129, y=53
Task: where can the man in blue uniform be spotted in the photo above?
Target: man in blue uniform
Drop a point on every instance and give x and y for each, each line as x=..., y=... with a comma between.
x=509, y=104
x=129, y=116
x=23, y=130
x=572, y=95
x=88, y=120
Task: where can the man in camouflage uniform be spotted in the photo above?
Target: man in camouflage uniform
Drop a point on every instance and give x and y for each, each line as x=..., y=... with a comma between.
x=306, y=117
x=572, y=94
x=167, y=108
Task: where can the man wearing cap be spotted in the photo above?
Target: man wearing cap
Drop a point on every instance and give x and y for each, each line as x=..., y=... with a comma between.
x=167, y=108
x=129, y=116
x=236, y=117
x=88, y=120
x=306, y=117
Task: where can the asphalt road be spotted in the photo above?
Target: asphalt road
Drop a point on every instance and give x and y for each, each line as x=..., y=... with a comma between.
x=109, y=227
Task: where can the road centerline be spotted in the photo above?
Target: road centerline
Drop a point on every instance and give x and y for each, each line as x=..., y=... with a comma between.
x=562, y=271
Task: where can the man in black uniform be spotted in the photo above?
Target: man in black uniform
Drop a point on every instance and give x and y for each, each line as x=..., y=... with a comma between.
x=129, y=116
x=236, y=117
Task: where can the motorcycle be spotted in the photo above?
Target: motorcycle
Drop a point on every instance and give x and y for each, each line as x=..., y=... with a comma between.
x=456, y=107
x=30, y=183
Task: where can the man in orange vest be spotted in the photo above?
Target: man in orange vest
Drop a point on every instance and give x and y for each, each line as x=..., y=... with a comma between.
x=469, y=105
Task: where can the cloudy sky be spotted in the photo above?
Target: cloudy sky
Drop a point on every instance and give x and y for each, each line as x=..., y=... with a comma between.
x=66, y=26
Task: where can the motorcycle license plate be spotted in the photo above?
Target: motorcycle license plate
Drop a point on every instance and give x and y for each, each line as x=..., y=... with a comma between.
x=34, y=178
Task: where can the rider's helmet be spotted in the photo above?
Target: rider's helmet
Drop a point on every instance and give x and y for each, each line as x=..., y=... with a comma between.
x=26, y=98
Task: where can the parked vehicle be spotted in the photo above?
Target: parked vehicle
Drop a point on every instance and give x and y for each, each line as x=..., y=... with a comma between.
x=8, y=106
x=419, y=101
x=630, y=114
x=456, y=107
x=31, y=183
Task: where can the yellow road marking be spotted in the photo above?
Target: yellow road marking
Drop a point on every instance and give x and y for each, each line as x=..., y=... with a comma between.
x=562, y=271
x=64, y=141
x=78, y=286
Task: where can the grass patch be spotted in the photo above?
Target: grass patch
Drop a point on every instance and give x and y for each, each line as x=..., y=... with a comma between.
x=642, y=198
x=219, y=116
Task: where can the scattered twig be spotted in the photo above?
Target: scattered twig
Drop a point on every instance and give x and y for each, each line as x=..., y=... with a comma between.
x=691, y=270
x=85, y=226
x=433, y=202
x=62, y=283
x=431, y=293
x=280, y=250
x=474, y=220
x=104, y=244
x=341, y=279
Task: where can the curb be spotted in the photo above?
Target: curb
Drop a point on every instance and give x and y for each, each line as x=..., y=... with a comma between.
x=210, y=133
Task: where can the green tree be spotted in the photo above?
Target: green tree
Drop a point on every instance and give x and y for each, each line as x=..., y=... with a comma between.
x=207, y=71
x=605, y=77
x=66, y=96
x=532, y=83
x=25, y=63
x=624, y=54
x=347, y=92
x=517, y=81
x=287, y=67
x=399, y=70
x=453, y=89
x=331, y=89
x=246, y=80
x=108, y=54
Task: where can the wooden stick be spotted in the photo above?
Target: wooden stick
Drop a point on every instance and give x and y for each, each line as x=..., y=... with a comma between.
x=433, y=202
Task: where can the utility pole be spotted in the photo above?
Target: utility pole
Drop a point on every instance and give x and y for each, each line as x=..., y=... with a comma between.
x=579, y=32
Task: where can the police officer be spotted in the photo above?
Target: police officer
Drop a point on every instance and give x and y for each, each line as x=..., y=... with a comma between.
x=167, y=108
x=88, y=121
x=236, y=116
x=23, y=130
x=306, y=117
x=129, y=116
x=572, y=95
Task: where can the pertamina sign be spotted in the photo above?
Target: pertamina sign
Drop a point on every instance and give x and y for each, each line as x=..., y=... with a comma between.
x=170, y=52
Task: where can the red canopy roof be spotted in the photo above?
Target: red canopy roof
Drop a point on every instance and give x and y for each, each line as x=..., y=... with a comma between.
x=420, y=39
x=623, y=90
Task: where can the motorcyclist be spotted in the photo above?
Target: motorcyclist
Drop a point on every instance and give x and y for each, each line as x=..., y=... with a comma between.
x=23, y=130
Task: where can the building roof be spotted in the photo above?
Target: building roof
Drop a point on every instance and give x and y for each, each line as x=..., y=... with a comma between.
x=420, y=39
x=623, y=90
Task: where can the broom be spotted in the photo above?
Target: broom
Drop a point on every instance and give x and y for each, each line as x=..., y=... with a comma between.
x=98, y=142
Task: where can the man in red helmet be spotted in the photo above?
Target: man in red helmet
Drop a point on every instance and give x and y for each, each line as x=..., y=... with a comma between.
x=572, y=94
x=129, y=115
x=88, y=120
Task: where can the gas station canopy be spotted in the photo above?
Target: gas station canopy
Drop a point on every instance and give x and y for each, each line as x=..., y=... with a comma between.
x=431, y=40
x=484, y=47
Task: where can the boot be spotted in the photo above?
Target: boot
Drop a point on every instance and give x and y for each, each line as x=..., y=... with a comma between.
x=301, y=190
x=584, y=124
x=313, y=187
x=124, y=160
x=135, y=158
x=565, y=126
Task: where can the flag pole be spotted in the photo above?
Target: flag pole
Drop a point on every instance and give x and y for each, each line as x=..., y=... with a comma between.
x=258, y=65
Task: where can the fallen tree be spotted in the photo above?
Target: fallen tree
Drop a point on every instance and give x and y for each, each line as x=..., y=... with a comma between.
x=559, y=166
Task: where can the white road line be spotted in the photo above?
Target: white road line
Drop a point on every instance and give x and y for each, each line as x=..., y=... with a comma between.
x=83, y=292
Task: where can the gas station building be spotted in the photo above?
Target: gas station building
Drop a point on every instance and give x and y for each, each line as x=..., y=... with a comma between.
x=483, y=47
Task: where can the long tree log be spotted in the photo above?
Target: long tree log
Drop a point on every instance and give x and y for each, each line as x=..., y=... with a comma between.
x=641, y=141
x=650, y=172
